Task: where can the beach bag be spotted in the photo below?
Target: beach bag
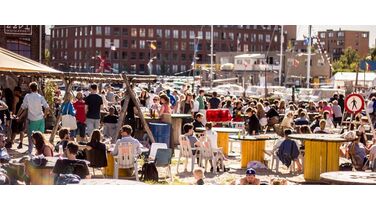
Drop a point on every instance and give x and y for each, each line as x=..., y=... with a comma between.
x=64, y=179
x=68, y=121
x=149, y=172
x=38, y=161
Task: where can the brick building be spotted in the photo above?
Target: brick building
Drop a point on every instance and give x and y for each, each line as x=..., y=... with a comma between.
x=75, y=48
x=23, y=40
x=335, y=42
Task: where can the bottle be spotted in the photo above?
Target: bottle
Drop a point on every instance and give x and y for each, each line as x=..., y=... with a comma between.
x=60, y=151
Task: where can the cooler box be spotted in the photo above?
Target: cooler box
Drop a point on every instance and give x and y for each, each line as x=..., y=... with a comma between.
x=161, y=132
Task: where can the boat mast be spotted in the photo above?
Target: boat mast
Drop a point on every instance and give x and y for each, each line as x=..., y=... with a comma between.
x=281, y=58
x=309, y=55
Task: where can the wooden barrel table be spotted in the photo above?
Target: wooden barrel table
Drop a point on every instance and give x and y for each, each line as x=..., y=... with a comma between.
x=321, y=153
x=349, y=178
x=176, y=125
x=252, y=147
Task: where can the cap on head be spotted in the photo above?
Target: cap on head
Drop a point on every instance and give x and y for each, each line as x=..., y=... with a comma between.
x=250, y=171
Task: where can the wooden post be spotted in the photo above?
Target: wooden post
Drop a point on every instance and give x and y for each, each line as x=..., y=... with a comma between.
x=124, y=108
x=68, y=86
x=137, y=104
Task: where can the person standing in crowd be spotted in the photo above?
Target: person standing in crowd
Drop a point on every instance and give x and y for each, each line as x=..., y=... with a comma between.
x=34, y=103
x=94, y=105
x=67, y=108
x=237, y=112
x=214, y=101
x=282, y=107
x=337, y=114
x=110, y=96
x=144, y=98
x=202, y=102
x=18, y=125
x=175, y=94
x=196, y=105
x=311, y=107
x=341, y=102
x=79, y=106
x=5, y=119
x=165, y=110
x=109, y=123
x=172, y=101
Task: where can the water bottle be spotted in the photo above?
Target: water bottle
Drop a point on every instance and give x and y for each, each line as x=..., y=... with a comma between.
x=60, y=151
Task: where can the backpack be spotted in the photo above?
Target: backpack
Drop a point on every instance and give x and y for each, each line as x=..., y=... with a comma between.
x=149, y=172
x=287, y=152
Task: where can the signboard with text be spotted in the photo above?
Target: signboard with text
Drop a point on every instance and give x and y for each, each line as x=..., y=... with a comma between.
x=18, y=29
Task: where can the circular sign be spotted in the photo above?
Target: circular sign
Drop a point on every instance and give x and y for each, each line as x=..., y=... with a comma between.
x=354, y=103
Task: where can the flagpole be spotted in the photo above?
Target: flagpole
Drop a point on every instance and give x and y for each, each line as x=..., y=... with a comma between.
x=309, y=55
x=211, y=57
x=281, y=58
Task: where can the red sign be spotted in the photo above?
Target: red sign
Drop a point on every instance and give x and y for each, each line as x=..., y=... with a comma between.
x=354, y=103
x=18, y=29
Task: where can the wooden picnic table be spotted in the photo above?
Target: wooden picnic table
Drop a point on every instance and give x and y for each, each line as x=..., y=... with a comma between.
x=109, y=182
x=349, y=178
x=223, y=136
x=252, y=147
x=321, y=153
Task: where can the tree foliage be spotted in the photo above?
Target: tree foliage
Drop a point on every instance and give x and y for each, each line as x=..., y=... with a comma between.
x=348, y=61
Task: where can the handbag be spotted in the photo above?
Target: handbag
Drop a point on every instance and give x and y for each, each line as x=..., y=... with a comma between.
x=69, y=121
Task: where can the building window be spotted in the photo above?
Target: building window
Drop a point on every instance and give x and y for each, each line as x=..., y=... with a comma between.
x=141, y=56
x=261, y=38
x=75, y=43
x=253, y=37
x=176, y=45
x=85, y=43
x=245, y=37
x=107, y=43
x=167, y=45
x=191, y=45
x=364, y=35
x=183, y=57
x=125, y=43
x=142, y=32
x=340, y=42
x=208, y=46
x=223, y=35
x=20, y=46
x=183, y=34
x=98, y=42
x=133, y=55
x=134, y=32
x=142, y=44
x=80, y=43
x=124, y=55
x=231, y=35
x=216, y=35
x=98, y=30
x=322, y=35
x=116, y=31
x=175, y=57
x=183, y=68
x=207, y=35
x=151, y=33
x=175, y=34
x=192, y=34
x=90, y=43
x=75, y=55
x=159, y=45
x=245, y=47
x=117, y=43
x=133, y=44
x=167, y=33
x=330, y=34
x=183, y=46
x=159, y=33
x=200, y=34
x=341, y=34
x=125, y=31
x=175, y=68
x=267, y=38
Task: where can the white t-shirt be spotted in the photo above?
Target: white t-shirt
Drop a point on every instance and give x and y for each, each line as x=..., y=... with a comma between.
x=196, y=106
x=213, y=137
x=370, y=107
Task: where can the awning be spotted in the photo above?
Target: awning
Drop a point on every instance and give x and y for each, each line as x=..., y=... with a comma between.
x=12, y=62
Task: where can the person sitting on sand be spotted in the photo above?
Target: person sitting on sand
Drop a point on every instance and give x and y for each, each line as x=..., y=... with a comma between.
x=249, y=179
x=198, y=174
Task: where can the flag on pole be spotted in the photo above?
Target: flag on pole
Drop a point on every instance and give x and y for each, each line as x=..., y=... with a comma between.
x=367, y=69
x=153, y=45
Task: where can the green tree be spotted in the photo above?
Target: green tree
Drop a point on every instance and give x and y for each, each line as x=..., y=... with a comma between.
x=348, y=61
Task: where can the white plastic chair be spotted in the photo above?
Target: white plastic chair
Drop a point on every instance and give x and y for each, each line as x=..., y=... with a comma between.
x=125, y=159
x=207, y=153
x=154, y=147
x=186, y=152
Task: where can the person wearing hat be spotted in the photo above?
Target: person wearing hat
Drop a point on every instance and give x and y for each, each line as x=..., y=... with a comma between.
x=249, y=179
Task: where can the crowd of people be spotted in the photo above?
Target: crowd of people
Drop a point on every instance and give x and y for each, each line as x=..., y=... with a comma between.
x=97, y=116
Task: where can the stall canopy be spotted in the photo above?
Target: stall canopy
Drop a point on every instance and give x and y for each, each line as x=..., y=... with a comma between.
x=15, y=63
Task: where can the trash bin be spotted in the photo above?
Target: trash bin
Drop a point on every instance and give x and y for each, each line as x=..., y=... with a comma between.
x=161, y=132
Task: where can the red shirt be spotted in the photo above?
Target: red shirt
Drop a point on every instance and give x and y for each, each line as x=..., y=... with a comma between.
x=79, y=106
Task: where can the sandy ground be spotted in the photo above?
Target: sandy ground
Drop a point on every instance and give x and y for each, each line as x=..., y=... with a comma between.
x=182, y=178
